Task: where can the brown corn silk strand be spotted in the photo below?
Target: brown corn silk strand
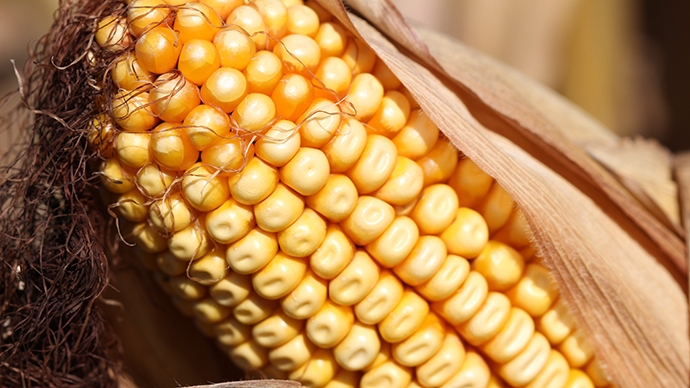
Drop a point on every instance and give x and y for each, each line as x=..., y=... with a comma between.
x=52, y=265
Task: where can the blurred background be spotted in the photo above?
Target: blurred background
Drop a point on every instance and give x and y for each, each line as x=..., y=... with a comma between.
x=626, y=62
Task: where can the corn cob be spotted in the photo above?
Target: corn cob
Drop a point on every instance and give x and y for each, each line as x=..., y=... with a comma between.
x=308, y=215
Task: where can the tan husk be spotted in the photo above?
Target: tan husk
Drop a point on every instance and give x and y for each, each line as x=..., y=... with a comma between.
x=607, y=272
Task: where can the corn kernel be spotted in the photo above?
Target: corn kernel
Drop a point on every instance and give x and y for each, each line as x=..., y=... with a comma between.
x=206, y=125
x=404, y=184
x=345, y=148
x=232, y=289
x=368, y=221
x=318, y=371
x=143, y=15
x=252, y=252
x=512, y=338
x=422, y=344
x=210, y=269
x=127, y=73
x=279, y=144
x=473, y=373
x=336, y=199
x=515, y=232
x=304, y=236
x=556, y=323
x=439, y=163
x=229, y=222
x=249, y=20
x=254, y=112
x=307, y=298
x=330, y=324
x=198, y=60
x=355, y=281
x=197, y=21
x=170, y=214
x=388, y=374
x=170, y=265
x=130, y=111
x=396, y=243
x=332, y=76
x=463, y=303
x=467, y=235
x=275, y=15
x=209, y=311
x=307, y=172
x=293, y=354
x=436, y=209
x=444, y=364
x=359, y=348
x=249, y=355
x=186, y=288
x=381, y=300
x=300, y=54
x=235, y=48
x=331, y=38
x=333, y=255
x=418, y=137
x=225, y=89
x=132, y=206
x=487, y=321
x=279, y=210
x=597, y=374
x=302, y=20
x=189, y=243
x=383, y=355
x=173, y=97
x=524, y=367
x=280, y=276
x=254, y=309
x=387, y=78
x=158, y=50
x=263, y=72
x=319, y=123
x=254, y=183
x=223, y=7
x=292, y=96
x=112, y=33
x=153, y=181
x=344, y=379
x=554, y=374
x=391, y=116
x=501, y=265
x=446, y=280
x=534, y=292
x=423, y=262
x=470, y=182
x=171, y=148
x=231, y=332
x=578, y=379
x=405, y=318
x=359, y=56
x=204, y=191
x=576, y=349
x=276, y=330
x=147, y=239
x=496, y=207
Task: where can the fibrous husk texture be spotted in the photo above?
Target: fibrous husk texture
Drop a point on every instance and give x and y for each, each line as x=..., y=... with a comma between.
x=52, y=265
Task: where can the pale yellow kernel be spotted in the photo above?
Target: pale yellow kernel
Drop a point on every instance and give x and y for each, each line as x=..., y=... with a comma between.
x=319, y=123
x=254, y=113
x=132, y=206
x=396, y=242
x=249, y=356
x=112, y=33
x=359, y=56
x=516, y=231
x=279, y=144
x=171, y=148
x=154, y=181
x=439, y=163
x=334, y=254
x=235, y=48
x=292, y=96
x=463, y=303
x=304, y=236
x=307, y=172
x=578, y=379
x=232, y=289
x=225, y=89
x=359, y=348
x=249, y=21
x=186, y=288
x=470, y=183
x=423, y=262
x=223, y=7
x=189, y=243
x=496, y=207
x=302, y=20
x=331, y=38
x=344, y=379
x=143, y=15
x=487, y=321
x=576, y=349
x=388, y=374
x=170, y=265
x=474, y=372
x=501, y=265
x=597, y=374
x=128, y=74
x=229, y=222
x=556, y=323
x=280, y=276
x=318, y=371
x=293, y=354
x=345, y=148
x=369, y=220
x=375, y=165
x=355, y=281
x=276, y=330
x=444, y=364
x=417, y=137
x=324, y=14
x=206, y=125
x=467, y=235
x=529, y=253
x=254, y=309
x=147, y=239
x=198, y=60
x=330, y=324
x=173, y=97
x=131, y=111
x=405, y=318
x=364, y=97
x=209, y=311
x=307, y=298
x=524, y=367
x=158, y=50
x=383, y=356
x=512, y=338
x=446, y=280
x=391, y=116
x=263, y=72
x=204, y=191
x=197, y=21
x=254, y=183
x=554, y=374
x=534, y=292
x=422, y=344
x=279, y=210
x=404, y=184
x=299, y=53
x=252, y=252
x=275, y=15
x=336, y=199
x=333, y=76
x=386, y=76
x=382, y=299
x=210, y=269
x=436, y=209
x=170, y=214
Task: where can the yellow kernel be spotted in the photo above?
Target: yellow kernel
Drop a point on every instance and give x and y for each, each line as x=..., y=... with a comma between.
x=359, y=348
x=318, y=371
x=132, y=206
x=302, y=20
x=384, y=74
x=444, y=364
x=132, y=148
x=345, y=148
x=439, y=163
x=198, y=60
x=230, y=222
x=463, y=303
x=334, y=254
x=344, y=379
x=578, y=379
x=496, y=207
x=249, y=21
x=364, y=97
x=336, y=199
x=304, y=236
x=292, y=96
x=487, y=321
x=249, y=356
x=114, y=177
x=307, y=172
x=299, y=53
x=154, y=181
x=417, y=137
x=516, y=231
x=355, y=281
x=307, y=298
x=225, y=88
x=576, y=349
x=279, y=210
x=473, y=373
x=436, y=209
x=330, y=324
x=375, y=165
x=206, y=125
x=388, y=374
x=254, y=183
x=203, y=190
x=131, y=112
x=554, y=374
x=359, y=56
x=263, y=72
x=210, y=269
x=169, y=265
x=254, y=309
x=293, y=354
x=172, y=97
x=275, y=15
x=406, y=317
x=254, y=112
x=101, y=132
x=197, y=21
x=423, y=262
x=319, y=123
x=446, y=280
x=235, y=48
x=171, y=148
x=524, y=367
x=512, y=338
x=556, y=323
x=467, y=235
x=252, y=252
x=112, y=33
x=331, y=38
x=534, y=292
x=276, y=330
x=391, y=116
x=147, y=239
x=170, y=214
x=501, y=265
x=596, y=373
x=209, y=311
x=332, y=76
x=396, y=242
x=127, y=73
x=422, y=344
x=178, y=2
x=368, y=221
x=232, y=289
x=189, y=243
x=185, y=288
x=279, y=144
x=324, y=14
x=470, y=183
x=143, y=15
x=158, y=50
x=280, y=276
x=223, y=7
x=383, y=356
x=382, y=299
x=228, y=155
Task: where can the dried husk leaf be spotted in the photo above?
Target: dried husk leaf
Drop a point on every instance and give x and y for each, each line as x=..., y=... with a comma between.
x=623, y=299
